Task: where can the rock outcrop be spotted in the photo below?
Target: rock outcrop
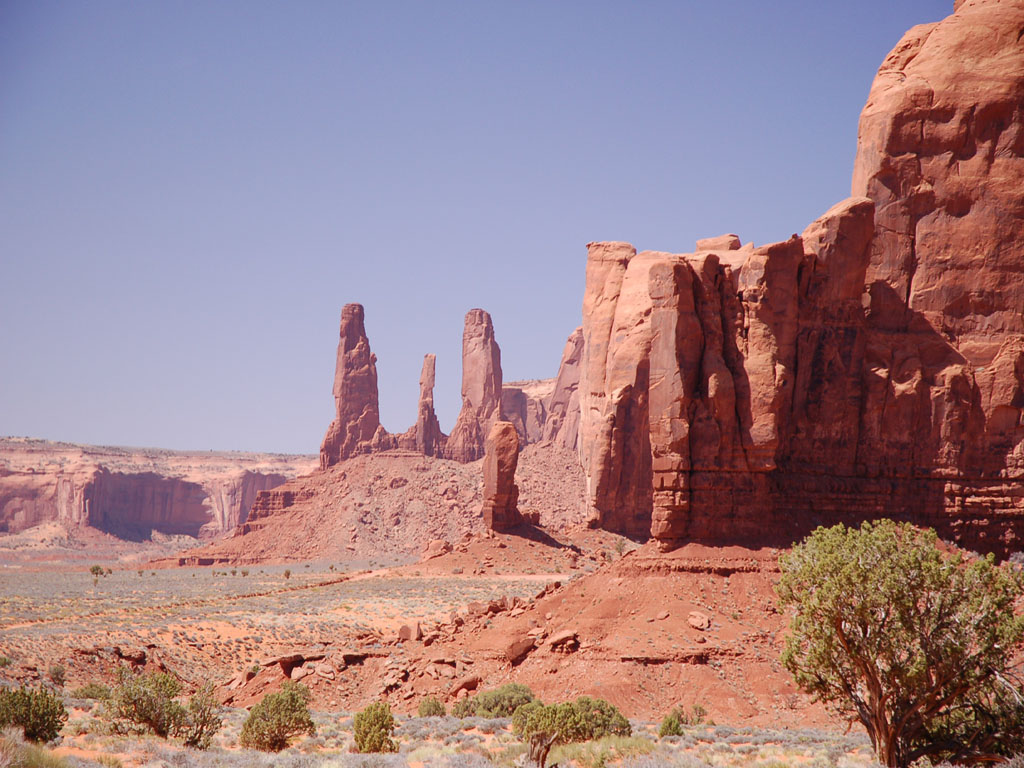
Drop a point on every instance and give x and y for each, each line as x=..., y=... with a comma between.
x=873, y=366
x=481, y=388
x=501, y=495
x=562, y=418
x=356, y=427
x=425, y=436
x=524, y=403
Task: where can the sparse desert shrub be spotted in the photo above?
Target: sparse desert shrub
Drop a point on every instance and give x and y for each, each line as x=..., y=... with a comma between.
x=14, y=752
x=39, y=713
x=93, y=690
x=500, y=702
x=431, y=707
x=674, y=721
x=585, y=719
x=373, y=727
x=671, y=725
x=201, y=720
x=5, y=661
x=277, y=718
x=56, y=673
x=287, y=573
x=146, y=702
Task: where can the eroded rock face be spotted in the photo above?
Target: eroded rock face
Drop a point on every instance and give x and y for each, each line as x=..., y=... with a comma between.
x=872, y=366
x=356, y=427
x=524, y=403
x=481, y=388
x=562, y=423
x=425, y=436
x=130, y=493
x=501, y=495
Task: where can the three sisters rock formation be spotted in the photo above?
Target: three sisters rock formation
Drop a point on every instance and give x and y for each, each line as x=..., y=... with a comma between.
x=871, y=366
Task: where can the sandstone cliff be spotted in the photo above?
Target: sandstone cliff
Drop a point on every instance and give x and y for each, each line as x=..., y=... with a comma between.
x=132, y=492
x=872, y=366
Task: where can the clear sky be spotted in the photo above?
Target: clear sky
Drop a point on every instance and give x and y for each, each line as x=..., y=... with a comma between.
x=190, y=191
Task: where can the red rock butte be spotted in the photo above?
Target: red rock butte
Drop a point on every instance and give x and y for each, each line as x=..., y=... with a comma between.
x=872, y=366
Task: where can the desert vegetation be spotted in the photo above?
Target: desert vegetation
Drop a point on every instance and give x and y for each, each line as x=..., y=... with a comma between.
x=916, y=645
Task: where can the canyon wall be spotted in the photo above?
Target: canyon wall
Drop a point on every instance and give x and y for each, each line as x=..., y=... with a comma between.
x=872, y=366
x=132, y=492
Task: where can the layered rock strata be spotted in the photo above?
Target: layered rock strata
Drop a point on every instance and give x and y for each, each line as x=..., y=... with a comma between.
x=872, y=366
x=524, y=403
x=481, y=388
x=131, y=493
x=501, y=495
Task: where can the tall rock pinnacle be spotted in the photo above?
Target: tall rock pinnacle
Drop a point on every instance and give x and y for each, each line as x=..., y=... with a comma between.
x=481, y=388
x=356, y=427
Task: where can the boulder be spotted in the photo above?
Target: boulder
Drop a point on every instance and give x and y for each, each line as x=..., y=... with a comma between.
x=436, y=548
x=518, y=649
x=699, y=620
x=410, y=632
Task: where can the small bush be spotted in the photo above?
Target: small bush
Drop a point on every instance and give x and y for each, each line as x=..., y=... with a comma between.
x=501, y=702
x=671, y=725
x=431, y=707
x=201, y=719
x=277, y=718
x=146, y=702
x=373, y=727
x=57, y=674
x=674, y=721
x=39, y=713
x=581, y=720
x=93, y=690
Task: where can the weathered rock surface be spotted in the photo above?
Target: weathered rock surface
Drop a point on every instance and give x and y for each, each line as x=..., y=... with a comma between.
x=524, y=403
x=501, y=495
x=131, y=493
x=562, y=422
x=425, y=436
x=481, y=388
x=872, y=366
x=356, y=427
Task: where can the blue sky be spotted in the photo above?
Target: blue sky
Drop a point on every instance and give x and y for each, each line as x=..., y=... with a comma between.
x=190, y=191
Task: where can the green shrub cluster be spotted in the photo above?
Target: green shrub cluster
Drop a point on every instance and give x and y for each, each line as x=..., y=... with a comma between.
x=373, y=728
x=39, y=713
x=91, y=691
x=431, y=707
x=148, y=702
x=674, y=721
x=580, y=720
x=500, y=702
x=277, y=718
